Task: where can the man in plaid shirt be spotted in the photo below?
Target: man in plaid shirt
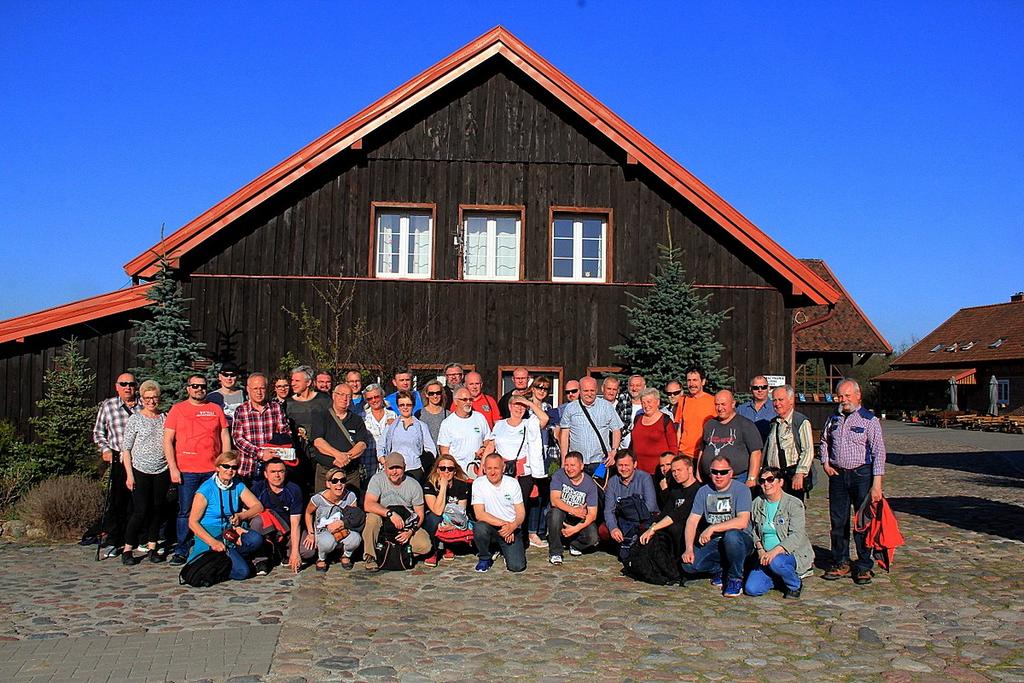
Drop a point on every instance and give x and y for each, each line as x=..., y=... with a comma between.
x=107, y=435
x=853, y=455
x=255, y=423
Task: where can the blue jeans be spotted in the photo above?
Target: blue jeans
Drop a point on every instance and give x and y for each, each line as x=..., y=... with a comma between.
x=782, y=569
x=190, y=483
x=485, y=536
x=241, y=569
x=846, y=491
x=725, y=552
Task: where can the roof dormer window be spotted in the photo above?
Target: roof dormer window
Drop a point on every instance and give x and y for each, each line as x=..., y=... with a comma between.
x=997, y=343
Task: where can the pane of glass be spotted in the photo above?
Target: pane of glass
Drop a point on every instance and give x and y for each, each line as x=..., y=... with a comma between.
x=591, y=268
x=506, y=248
x=506, y=226
x=419, y=223
x=592, y=249
x=563, y=227
x=476, y=224
x=420, y=252
x=476, y=248
x=506, y=267
x=563, y=248
x=592, y=228
x=562, y=267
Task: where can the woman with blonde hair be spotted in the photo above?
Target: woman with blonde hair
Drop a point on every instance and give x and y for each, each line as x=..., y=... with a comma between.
x=446, y=493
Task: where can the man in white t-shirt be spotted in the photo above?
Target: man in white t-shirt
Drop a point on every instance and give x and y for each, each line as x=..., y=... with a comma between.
x=465, y=435
x=499, y=509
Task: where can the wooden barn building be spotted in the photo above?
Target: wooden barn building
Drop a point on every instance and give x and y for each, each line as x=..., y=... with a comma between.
x=489, y=204
x=974, y=346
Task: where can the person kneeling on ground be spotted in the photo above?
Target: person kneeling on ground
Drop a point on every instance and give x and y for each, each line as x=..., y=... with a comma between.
x=721, y=511
x=629, y=502
x=679, y=497
x=387, y=489
x=446, y=494
x=332, y=519
x=217, y=515
x=499, y=509
x=783, y=550
x=279, y=523
x=573, y=511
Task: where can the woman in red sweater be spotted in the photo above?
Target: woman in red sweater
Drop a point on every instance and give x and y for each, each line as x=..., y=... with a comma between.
x=653, y=432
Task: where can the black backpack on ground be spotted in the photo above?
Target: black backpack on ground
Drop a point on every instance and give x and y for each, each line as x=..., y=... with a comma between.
x=653, y=563
x=392, y=555
x=206, y=569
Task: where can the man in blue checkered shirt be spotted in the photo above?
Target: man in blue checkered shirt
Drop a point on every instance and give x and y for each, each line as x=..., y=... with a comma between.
x=853, y=455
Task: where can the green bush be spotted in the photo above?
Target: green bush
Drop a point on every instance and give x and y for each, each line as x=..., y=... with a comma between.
x=64, y=506
x=19, y=465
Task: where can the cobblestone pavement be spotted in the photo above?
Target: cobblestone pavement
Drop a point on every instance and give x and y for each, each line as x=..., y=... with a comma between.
x=953, y=608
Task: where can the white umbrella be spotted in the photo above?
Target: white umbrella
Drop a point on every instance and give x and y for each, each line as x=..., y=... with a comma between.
x=993, y=396
x=952, y=395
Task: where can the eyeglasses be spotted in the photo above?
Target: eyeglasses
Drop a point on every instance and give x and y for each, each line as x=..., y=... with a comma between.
x=374, y=398
x=150, y=398
x=282, y=386
x=453, y=375
x=127, y=384
x=758, y=387
x=570, y=392
x=674, y=393
x=464, y=399
x=337, y=480
x=405, y=405
x=433, y=393
x=445, y=468
x=720, y=473
x=196, y=385
x=768, y=480
x=225, y=466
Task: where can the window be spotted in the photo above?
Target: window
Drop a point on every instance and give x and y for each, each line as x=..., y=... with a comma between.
x=580, y=245
x=997, y=343
x=403, y=242
x=1003, y=395
x=967, y=347
x=937, y=347
x=492, y=244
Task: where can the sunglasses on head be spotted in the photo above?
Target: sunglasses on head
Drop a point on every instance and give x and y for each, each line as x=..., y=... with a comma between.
x=758, y=387
x=196, y=385
x=768, y=479
x=127, y=384
x=337, y=480
x=225, y=466
x=445, y=468
x=720, y=473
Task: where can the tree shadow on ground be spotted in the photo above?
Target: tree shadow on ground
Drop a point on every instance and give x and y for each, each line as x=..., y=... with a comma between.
x=1007, y=464
x=967, y=512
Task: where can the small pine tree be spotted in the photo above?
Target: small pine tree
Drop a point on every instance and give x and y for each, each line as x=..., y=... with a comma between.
x=673, y=329
x=67, y=413
x=168, y=350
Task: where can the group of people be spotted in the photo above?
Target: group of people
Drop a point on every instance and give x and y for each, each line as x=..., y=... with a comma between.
x=302, y=469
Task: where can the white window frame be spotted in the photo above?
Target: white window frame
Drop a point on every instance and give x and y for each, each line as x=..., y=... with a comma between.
x=404, y=231
x=491, y=218
x=577, y=246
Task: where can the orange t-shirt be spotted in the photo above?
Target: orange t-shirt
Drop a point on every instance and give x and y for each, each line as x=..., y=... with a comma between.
x=693, y=412
x=197, y=430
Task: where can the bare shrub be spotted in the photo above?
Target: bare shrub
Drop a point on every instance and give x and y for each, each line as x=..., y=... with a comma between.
x=63, y=506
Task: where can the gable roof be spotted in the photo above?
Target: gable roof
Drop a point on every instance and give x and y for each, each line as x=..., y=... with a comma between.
x=849, y=330
x=983, y=325
x=101, y=306
x=497, y=42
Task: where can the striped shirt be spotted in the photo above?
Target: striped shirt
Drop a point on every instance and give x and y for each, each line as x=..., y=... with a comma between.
x=582, y=437
x=849, y=441
x=108, y=433
x=251, y=429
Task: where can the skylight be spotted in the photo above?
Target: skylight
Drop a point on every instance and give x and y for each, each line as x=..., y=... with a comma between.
x=938, y=347
x=967, y=346
x=953, y=347
x=997, y=343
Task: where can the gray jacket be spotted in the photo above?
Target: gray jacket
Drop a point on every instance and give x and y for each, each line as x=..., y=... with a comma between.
x=789, y=525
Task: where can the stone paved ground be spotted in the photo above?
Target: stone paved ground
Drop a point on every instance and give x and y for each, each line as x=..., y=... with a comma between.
x=953, y=608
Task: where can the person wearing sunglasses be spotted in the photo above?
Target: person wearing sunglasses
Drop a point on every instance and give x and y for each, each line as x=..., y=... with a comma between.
x=329, y=525
x=195, y=434
x=673, y=390
x=228, y=395
x=108, y=435
x=411, y=438
x=759, y=409
x=784, y=552
x=717, y=538
x=220, y=507
x=377, y=417
x=435, y=408
x=572, y=391
x=446, y=495
x=466, y=435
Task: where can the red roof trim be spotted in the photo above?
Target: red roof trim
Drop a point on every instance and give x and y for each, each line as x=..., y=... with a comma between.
x=494, y=42
x=17, y=329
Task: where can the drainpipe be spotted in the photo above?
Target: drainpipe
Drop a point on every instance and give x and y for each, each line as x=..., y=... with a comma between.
x=803, y=326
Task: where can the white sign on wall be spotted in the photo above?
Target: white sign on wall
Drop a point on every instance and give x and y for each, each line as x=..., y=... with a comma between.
x=775, y=380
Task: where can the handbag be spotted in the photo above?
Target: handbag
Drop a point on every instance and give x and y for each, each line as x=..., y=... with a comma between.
x=512, y=468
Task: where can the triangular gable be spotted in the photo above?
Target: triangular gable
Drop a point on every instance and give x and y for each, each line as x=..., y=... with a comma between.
x=848, y=330
x=496, y=42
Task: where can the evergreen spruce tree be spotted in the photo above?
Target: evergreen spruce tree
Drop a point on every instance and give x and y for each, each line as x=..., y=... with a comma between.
x=168, y=350
x=673, y=329
x=67, y=414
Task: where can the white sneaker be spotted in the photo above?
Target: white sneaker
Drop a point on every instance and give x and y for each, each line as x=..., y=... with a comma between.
x=574, y=552
x=555, y=559
x=809, y=572
x=111, y=551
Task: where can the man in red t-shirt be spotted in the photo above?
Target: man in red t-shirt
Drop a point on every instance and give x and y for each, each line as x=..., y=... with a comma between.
x=195, y=433
x=482, y=403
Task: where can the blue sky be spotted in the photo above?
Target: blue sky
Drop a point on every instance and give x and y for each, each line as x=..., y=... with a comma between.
x=886, y=138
